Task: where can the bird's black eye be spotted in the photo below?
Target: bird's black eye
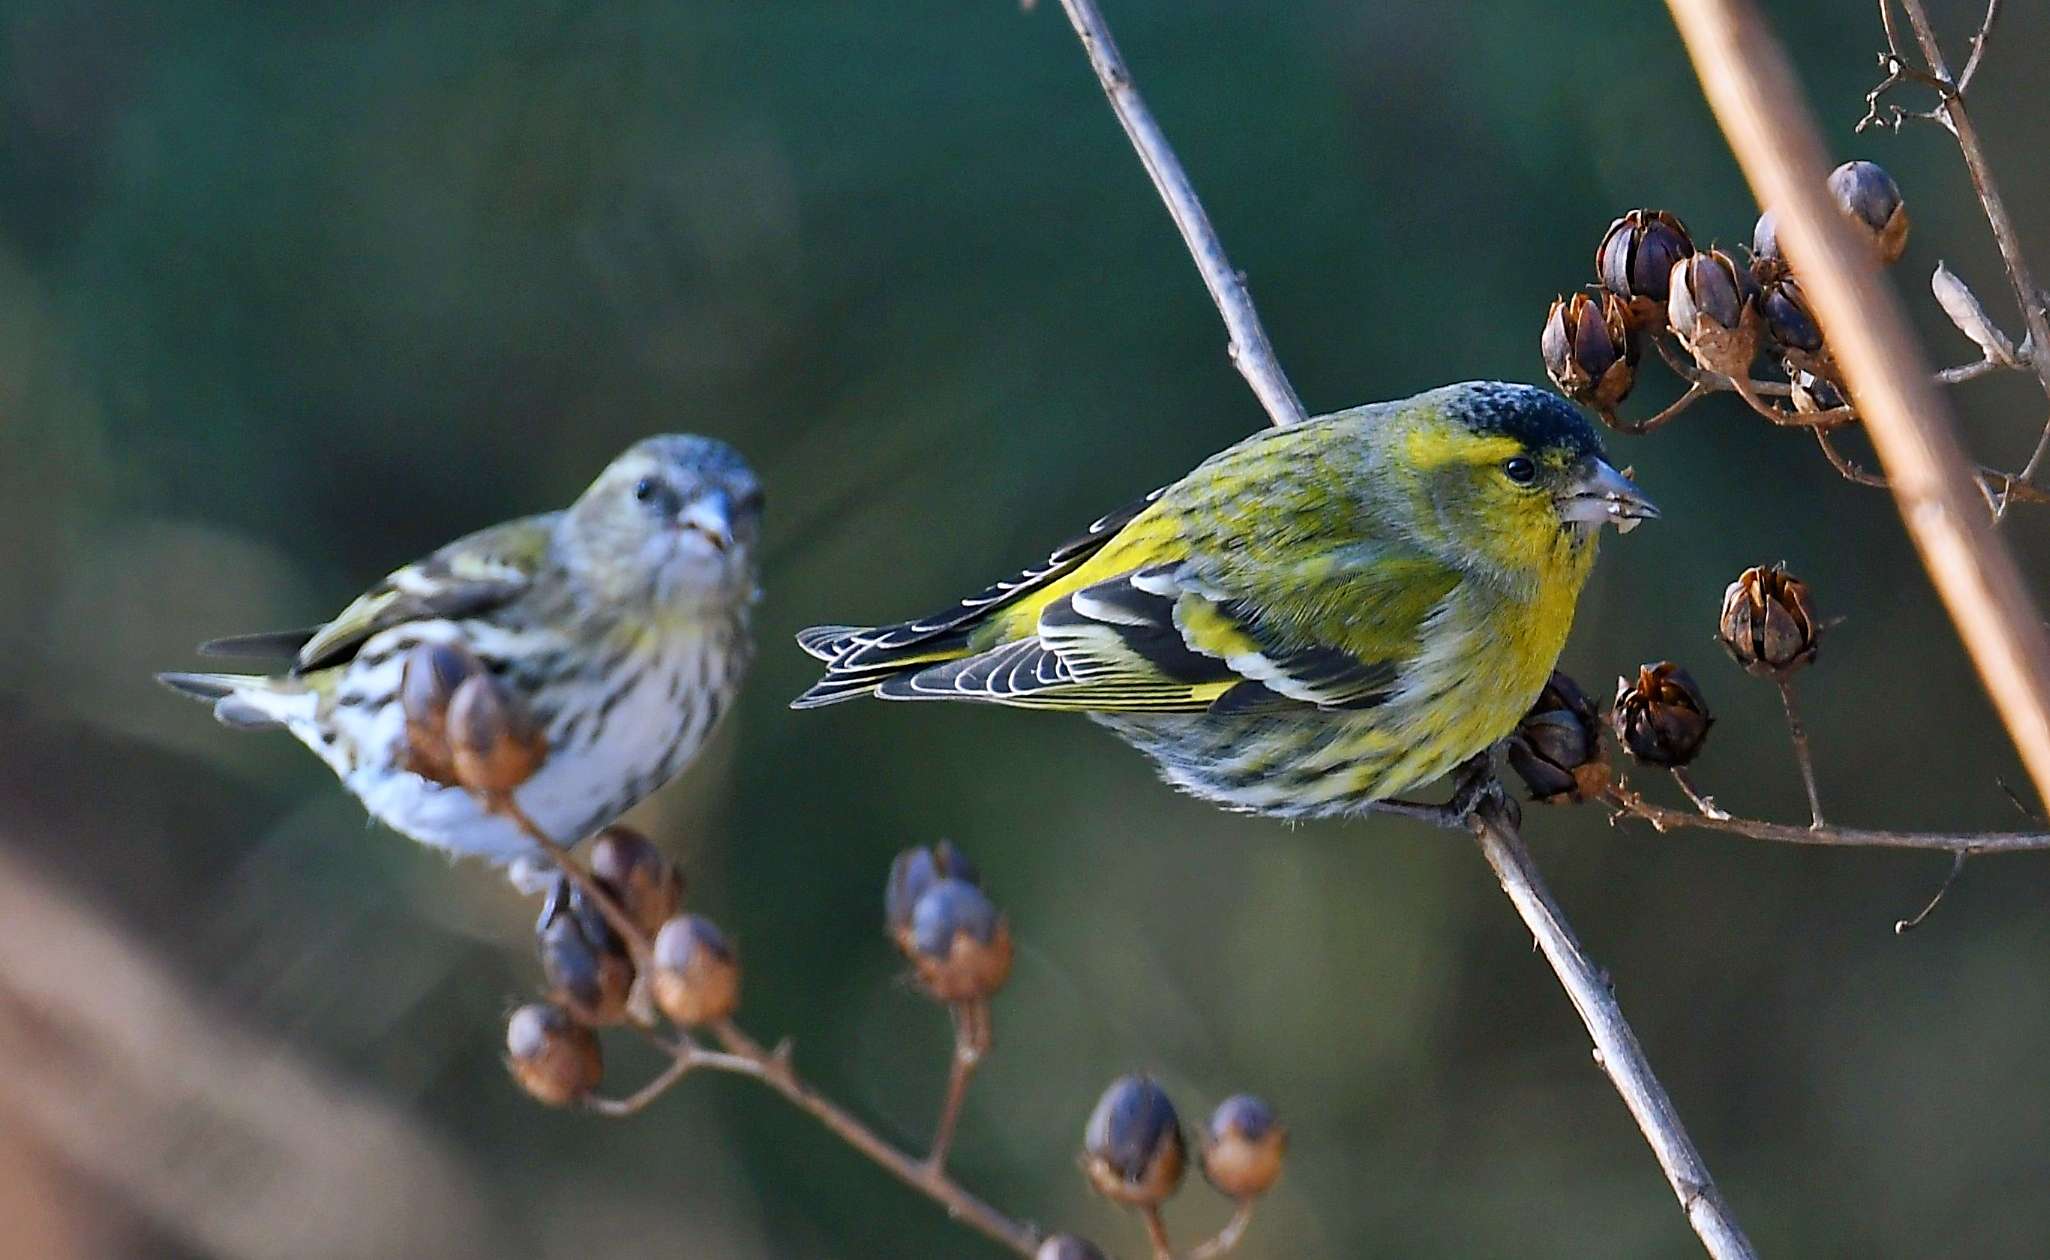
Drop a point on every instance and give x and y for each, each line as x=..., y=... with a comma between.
x=1520, y=470
x=646, y=488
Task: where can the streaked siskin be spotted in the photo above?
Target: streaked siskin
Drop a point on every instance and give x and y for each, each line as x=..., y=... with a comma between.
x=1318, y=618
x=620, y=623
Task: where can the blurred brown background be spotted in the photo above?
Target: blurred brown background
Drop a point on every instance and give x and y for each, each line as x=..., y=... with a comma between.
x=290, y=294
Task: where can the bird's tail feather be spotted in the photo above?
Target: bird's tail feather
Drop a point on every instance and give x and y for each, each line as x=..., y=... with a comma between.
x=267, y=643
x=861, y=658
x=247, y=702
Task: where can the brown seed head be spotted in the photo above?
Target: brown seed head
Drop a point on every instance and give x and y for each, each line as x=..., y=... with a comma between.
x=1589, y=349
x=1557, y=748
x=647, y=885
x=495, y=746
x=427, y=681
x=1244, y=1147
x=1712, y=305
x=961, y=944
x=1661, y=717
x=1635, y=262
x=552, y=1057
x=1132, y=1148
x=1872, y=201
x=696, y=977
x=1768, y=623
x=586, y=964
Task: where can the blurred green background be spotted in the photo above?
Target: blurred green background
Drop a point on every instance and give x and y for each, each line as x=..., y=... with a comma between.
x=292, y=293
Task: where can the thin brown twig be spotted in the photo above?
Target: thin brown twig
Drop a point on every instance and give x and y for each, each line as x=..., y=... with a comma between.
x=971, y=1042
x=1250, y=350
x=1616, y=1049
x=746, y=1057
x=1696, y=391
x=1799, y=734
x=1951, y=101
x=616, y=917
x=1902, y=927
x=1156, y=1232
x=1631, y=804
x=1703, y=803
x=1964, y=78
x=1226, y=1239
x=1846, y=469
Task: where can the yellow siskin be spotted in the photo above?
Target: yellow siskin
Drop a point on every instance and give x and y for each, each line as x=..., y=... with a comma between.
x=621, y=623
x=1315, y=620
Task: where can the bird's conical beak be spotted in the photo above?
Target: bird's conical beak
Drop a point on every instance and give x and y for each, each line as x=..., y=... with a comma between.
x=1600, y=494
x=710, y=515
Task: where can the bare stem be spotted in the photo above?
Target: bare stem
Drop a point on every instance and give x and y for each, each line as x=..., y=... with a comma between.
x=1156, y=1233
x=638, y=1101
x=1630, y=804
x=1902, y=927
x=1226, y=1239
x=1696, y=391
x=615, y=914
x=1616, y=1050
x=1756, y=97
x=1951, y=101
x=1799, y=734
x=746, y=1057
x=1702, y=801
x=971, y=1042
x=1249, y=349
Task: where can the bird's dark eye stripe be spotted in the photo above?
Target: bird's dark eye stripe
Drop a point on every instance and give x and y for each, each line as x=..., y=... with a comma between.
x=754, y=499
x=1520, y=470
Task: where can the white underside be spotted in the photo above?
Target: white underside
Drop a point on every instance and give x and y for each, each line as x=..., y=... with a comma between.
x=644, y=741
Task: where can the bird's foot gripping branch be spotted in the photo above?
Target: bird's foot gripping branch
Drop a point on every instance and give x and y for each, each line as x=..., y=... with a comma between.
x=619, y=954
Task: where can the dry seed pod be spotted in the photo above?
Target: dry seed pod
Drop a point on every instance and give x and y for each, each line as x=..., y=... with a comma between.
x=911, y=874
x=1768, y=624
x=1661, y=717
x=495, y=747
x=1767, y=263
x=647, y=885
x=1589, y=350
x=696, y=976
x=427, y=682
x=1244, y=1147
x=961, y=945
x=1132, y=1148
x=1557, y=747
x=1872, y=201
x=1811, y=393
x=586, y=965
x=1791, y=324
x=1635, y=262
x=1713, y=307
x=554, y=1058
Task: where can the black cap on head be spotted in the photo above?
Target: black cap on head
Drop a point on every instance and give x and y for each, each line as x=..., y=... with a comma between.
x=1538, y=418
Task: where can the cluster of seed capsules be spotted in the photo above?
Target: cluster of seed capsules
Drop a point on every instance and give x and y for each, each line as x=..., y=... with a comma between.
x=613, y=949
x=1134, y=1153
x=1660, y=717
x=1651, y=281
x=465, y=730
